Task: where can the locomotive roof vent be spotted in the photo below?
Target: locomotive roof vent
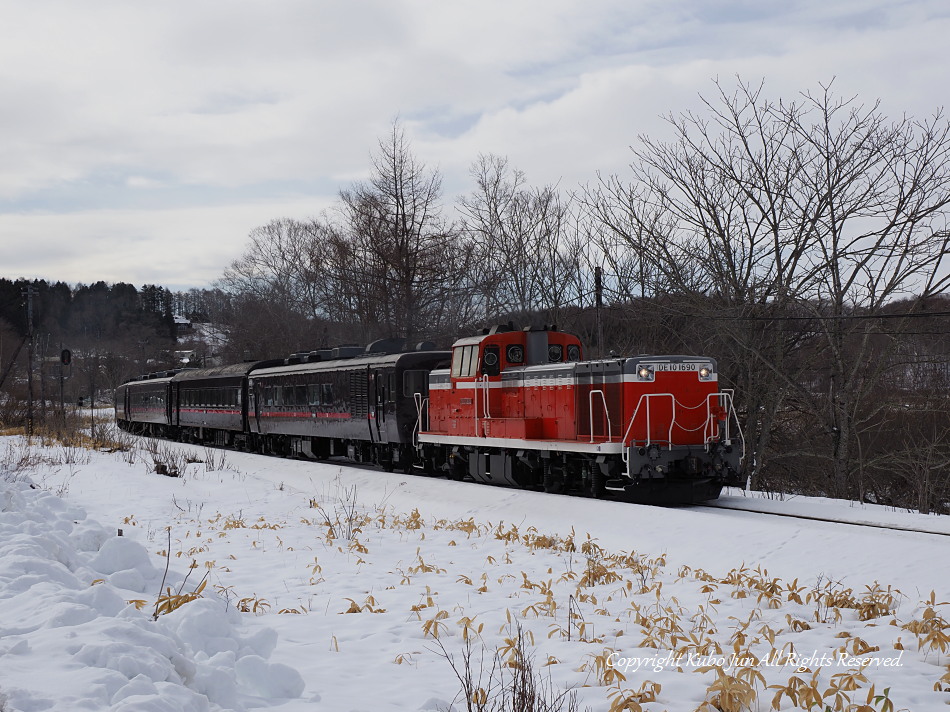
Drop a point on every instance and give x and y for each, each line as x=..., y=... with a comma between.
x=499, y=329
x=348, y=351
x=386, y=346
x=425, y=346
x=307, y=357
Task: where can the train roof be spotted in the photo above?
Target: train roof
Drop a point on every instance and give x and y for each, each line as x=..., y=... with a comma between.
x=155, y=377
x=405, y=358
x=234, y=369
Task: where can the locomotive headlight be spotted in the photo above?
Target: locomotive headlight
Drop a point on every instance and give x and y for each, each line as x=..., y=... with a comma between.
x=645, y=373
x=704, y=372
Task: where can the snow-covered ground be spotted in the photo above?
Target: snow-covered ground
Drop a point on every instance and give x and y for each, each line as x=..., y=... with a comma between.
x=323, y=586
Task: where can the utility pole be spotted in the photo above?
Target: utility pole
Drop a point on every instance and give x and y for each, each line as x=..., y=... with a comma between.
x=29, y=293
x=43, y=349
x=65, y=360
x=599, y=303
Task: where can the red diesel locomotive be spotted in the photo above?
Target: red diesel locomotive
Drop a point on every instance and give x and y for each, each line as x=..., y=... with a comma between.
x=510, y=407
x=523, y=408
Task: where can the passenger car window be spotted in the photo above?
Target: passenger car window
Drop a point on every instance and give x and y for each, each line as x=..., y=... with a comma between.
x=414, y=382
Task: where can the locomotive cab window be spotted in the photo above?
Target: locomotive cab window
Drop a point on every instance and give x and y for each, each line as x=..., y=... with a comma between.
x=464, y=361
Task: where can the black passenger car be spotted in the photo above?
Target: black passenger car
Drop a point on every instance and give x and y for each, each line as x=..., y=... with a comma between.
x=365, y=407
x=209, y=405
x=143, y=406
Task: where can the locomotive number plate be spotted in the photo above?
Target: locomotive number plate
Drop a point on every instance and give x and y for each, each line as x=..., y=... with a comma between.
x=677, y=367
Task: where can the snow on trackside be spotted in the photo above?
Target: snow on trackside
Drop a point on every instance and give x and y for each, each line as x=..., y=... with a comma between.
x=305, y=586
x=71, y=636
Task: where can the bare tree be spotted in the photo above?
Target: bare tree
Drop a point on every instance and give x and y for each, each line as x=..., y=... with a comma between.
x=527, y=254
x=284, y=264
x=882, y=195
x=780, y=227
x=283, y=291
x=404, y=264
x=711, y=221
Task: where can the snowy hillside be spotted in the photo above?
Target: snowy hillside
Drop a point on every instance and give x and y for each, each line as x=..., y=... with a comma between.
x=301, y=586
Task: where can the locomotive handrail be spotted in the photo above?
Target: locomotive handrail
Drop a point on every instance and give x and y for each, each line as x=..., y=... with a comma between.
x=727, y=395
x=479, y=430
x=708, y=426
x=603, y=398
x=482, y=384
x=422, y=404
x=646, y=398
x=625, y=452
x=709, y=431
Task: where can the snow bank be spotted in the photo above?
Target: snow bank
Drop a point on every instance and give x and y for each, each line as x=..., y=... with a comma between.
x=68, y=593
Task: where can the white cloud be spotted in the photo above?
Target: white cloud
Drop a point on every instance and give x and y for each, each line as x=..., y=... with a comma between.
x=109, y=105
x=178, y=247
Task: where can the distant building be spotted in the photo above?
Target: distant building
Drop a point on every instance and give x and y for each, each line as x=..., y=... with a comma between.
x=183, y=325
x=187, y=358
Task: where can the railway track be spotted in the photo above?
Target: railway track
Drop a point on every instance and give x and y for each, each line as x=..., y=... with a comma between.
x=715, y=504
x=872, y=525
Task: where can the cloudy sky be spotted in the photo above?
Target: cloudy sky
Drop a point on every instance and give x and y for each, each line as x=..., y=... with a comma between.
x=142, y=142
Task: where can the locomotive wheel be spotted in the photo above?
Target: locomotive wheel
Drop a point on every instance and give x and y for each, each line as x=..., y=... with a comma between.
x=598, y=482
x=553, y=482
